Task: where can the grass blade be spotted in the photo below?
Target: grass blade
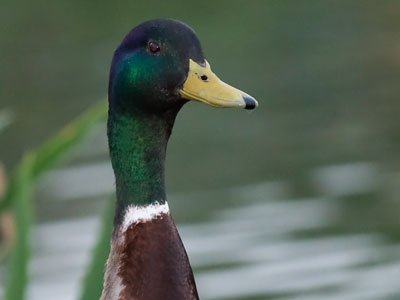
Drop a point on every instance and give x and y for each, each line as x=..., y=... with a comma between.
x=20, y=191
x=93, y=281
x=53, y=150
x=17, y=276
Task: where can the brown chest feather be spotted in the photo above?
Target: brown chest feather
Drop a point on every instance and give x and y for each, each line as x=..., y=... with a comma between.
x=151, y=264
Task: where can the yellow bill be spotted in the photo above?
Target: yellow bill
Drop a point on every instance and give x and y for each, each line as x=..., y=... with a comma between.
x=204, y=86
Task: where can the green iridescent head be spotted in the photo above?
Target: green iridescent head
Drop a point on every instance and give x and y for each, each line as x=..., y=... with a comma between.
x=151, y=64
x=160, y=64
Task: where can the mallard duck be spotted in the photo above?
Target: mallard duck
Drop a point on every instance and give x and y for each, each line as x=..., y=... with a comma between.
x=158, y=67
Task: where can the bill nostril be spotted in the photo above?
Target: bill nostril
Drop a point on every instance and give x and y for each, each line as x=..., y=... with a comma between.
x=204, y=77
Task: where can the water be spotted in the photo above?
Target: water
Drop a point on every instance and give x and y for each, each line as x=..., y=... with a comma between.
x=260, y=244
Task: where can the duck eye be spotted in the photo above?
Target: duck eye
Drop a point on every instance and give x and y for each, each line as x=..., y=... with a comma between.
x=154, y=47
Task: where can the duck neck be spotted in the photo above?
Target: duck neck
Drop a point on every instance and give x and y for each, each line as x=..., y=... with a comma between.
x=138, y=142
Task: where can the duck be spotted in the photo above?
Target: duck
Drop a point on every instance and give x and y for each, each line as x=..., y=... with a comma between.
x=158, y=67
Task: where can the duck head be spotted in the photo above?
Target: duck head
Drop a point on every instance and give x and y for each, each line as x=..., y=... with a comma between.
x=160, y=65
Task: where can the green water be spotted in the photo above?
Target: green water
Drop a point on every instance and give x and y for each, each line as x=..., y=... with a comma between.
x=317, y=163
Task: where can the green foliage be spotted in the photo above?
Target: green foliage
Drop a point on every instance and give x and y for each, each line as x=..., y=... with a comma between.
x=21, y=196
x=93, y=282
x=55, y=148
x=72, y=134
x=18, y=196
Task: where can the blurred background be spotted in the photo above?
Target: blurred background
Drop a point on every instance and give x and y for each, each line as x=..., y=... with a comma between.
x=299, y=199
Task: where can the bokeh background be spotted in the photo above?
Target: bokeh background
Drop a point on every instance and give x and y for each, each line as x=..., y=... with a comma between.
x=299, y=199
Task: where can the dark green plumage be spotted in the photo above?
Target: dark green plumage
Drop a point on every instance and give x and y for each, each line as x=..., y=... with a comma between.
x=143, y=102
